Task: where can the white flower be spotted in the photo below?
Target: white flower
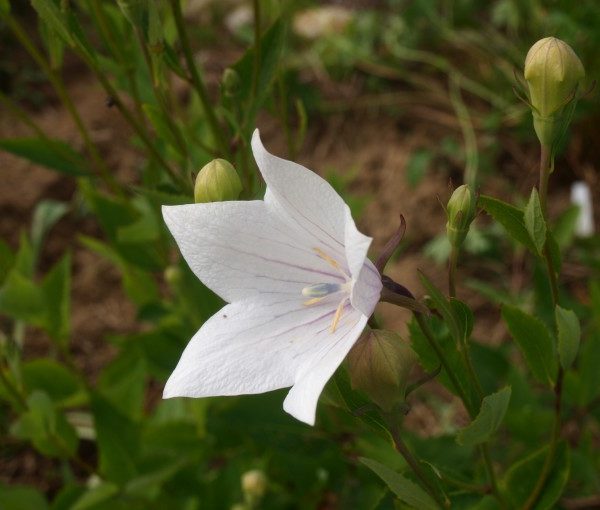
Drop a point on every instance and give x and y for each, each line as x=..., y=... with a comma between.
x=294, y=269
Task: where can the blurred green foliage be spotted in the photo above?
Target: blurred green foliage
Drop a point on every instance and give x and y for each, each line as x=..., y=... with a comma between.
x=112, y=442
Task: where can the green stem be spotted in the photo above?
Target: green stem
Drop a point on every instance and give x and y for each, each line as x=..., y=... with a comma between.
x=135, y=125
x=442, y=358
x=545, y=164
x=160, y=99
x=196, y=80
x=452, y=262
x=257, y=49
x=463, y=346
x=65, y=98
x=414, y=464
x=99, y=18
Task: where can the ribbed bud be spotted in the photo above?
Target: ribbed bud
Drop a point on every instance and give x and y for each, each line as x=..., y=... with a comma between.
x=554, y=73
x=461, y=210
x=379, y=365
x=216, y=182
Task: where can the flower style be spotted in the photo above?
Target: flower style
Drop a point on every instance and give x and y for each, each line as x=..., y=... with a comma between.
x=300, y=289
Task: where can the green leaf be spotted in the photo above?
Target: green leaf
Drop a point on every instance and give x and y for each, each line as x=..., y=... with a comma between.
x=430, y=360
x=417, y=166
x=271, y=46
x=511, y=218
x=52, y=154
x=46, y=214
x=535, y=222
x=7, y=259
x=102, y=493
x=406, y=490
x=54, y=44
x=493, y=409
x=522, y=476
x=49, y=12
x=443, y=306
x=56, y=289
x=22, y=300
x=122, y=382
x=118, y=441
x=535, y=342
x=569, y=335
x=61, y=385
x=46, y=428
x=20, y=497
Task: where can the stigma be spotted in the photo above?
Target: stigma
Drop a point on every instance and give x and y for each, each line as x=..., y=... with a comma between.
x=319, y=291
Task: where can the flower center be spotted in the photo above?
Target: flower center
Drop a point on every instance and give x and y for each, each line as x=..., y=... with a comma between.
x=319, y=291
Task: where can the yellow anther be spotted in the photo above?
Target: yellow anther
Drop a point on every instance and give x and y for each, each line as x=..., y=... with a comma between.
x=331, y=261
x=337, y=316
x=313, y=301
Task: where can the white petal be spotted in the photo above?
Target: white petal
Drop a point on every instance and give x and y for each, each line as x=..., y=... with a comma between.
x=366, y=290
x=306, y=199
x=319, y=365
x=250, y=346
x=367, y=280
x=239, y=249
x=357, y=245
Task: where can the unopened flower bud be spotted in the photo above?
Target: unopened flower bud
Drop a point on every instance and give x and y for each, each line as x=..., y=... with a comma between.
x=230, y=82
x=254, y=484
x=554, y=73
x=379, y=365
x=173, y=275
x=216, y=182
x=461, y=210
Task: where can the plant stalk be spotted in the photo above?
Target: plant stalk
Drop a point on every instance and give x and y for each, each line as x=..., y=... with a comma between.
x=545, y=165
x=196, y=80
x=402, y=448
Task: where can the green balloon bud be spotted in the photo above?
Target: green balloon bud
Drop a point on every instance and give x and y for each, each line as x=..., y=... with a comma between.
x=379, y=365
x=461, y=210
x=554, y=73
x=216, y=182
x=230, y=82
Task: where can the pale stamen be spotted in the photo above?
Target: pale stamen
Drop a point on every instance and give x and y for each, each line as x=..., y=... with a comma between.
x=319, y=291
x=338, y=315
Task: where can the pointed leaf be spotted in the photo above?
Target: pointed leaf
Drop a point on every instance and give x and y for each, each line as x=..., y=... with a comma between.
x=535, y=341
x=405, y=489
x=569, y=335
x=52, y=154
x=535, y=222
x=510, y=217
x=521, y=477
x=493, y=409
x=56, y=289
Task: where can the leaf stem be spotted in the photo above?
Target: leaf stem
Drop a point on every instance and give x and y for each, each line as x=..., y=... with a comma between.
x=196, y=80
x=401, y=447
x=545, y=165
x=65, y=98
x=463, y=346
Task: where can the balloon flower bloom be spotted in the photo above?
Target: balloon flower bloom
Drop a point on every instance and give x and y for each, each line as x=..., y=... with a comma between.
x=294, y=269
